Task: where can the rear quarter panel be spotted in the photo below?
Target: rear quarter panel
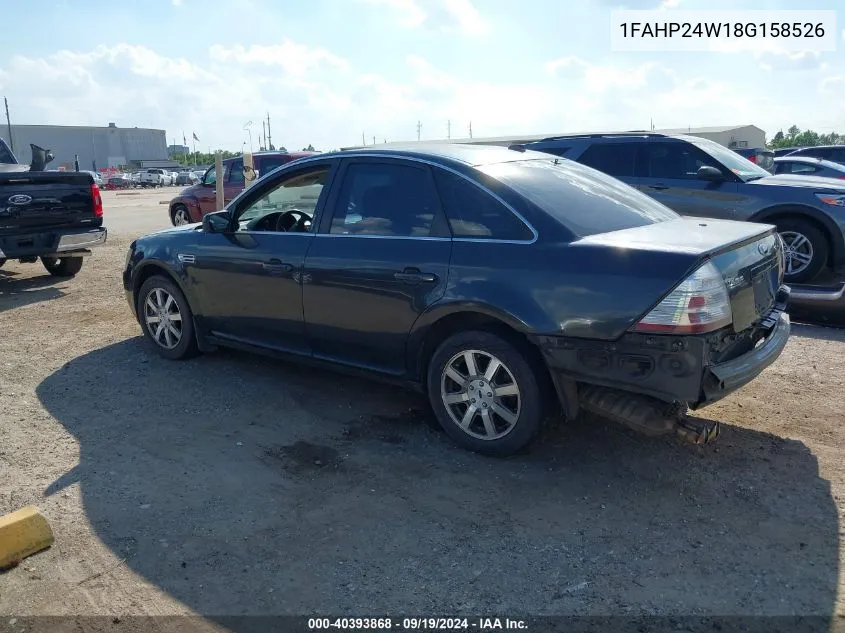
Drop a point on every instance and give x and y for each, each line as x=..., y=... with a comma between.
x=571, y=290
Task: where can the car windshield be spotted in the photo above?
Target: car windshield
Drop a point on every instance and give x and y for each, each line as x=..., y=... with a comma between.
x=739, y=165
x=584, y=200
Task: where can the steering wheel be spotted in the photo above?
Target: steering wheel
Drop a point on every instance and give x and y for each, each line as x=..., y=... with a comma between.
x=299, y=219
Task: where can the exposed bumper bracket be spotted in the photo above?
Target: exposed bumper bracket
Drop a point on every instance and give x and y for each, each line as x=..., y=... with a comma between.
x=77, y=241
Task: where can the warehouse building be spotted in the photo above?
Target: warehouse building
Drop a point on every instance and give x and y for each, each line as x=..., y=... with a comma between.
x=732, y=136
x=97, y=147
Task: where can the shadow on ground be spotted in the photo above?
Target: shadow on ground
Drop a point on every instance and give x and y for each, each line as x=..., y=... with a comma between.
x=15, y=293
x=241, y=485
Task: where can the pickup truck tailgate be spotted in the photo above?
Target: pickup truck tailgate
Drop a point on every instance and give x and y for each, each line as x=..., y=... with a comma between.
x=33, y=200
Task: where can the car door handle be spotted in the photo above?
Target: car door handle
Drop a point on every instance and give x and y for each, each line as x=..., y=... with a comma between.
x=659, y=186
x=414, y=276
x=277, y=266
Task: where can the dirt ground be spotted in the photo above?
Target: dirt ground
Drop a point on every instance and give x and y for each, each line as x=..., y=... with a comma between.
x=233, y=484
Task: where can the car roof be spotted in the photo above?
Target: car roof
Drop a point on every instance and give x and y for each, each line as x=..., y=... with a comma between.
x=810, y=160
x=446, y=153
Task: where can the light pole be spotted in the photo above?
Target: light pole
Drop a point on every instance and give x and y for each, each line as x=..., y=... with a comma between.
x=248, y=128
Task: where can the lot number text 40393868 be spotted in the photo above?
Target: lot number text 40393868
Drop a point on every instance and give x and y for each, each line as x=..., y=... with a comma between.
x=417, y=624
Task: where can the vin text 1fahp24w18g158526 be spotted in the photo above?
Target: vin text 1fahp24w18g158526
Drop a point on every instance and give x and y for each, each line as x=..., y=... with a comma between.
x=499, y=282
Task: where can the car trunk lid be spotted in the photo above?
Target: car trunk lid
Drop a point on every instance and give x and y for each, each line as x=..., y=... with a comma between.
x=748, y=256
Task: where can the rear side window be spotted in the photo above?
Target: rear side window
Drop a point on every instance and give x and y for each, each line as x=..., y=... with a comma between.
x=472, y=212
x=616, y=159
x=797, y=168
x=584, y=201
x=387, y=199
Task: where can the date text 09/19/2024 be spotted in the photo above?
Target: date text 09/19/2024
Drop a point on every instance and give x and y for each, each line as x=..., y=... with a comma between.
x=417, y=624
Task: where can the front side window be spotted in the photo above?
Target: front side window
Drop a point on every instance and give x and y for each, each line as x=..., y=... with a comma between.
x=288, y=205
x=210, y=177
x=235, y=173
x=388, y=199
x=675, y=161
x=739, y=165
x=472, y=212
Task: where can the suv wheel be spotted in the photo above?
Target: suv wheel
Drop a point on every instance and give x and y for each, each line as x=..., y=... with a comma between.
x=166, y=318
x=485, y=393
x=806, y=250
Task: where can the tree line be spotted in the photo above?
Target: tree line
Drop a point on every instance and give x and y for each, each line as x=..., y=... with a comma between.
x=796, y=137
x=204, y=158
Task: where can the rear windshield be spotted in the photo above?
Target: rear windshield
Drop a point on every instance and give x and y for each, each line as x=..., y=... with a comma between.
x=584, y=200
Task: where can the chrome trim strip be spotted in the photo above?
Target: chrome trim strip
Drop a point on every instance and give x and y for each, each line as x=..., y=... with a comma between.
x=74, y=241
x=390, y=237
x=431, y=163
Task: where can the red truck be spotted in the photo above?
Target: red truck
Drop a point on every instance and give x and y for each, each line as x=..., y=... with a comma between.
x=197, y=200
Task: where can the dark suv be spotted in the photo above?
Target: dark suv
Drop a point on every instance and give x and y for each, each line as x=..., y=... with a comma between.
x=833, y=153
x=197, y=200
x=698, y=177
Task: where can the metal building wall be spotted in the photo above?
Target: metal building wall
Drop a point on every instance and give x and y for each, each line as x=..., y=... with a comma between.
x=97, y=147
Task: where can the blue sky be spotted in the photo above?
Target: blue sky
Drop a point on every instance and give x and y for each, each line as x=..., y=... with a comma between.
x=328, y=70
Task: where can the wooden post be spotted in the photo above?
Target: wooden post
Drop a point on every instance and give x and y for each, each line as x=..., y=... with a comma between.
x=249, y=170
x=218, y=182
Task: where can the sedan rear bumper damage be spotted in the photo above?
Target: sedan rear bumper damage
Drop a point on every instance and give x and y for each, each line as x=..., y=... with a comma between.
x=648, y=381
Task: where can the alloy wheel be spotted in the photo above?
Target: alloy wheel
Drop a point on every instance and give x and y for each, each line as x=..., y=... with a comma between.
x=163, y=318
x=798, y=251
x=480, y=394
x=180, y=216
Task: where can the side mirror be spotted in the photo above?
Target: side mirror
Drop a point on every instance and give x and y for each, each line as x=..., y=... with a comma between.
x=710, y=174
x=216, y=222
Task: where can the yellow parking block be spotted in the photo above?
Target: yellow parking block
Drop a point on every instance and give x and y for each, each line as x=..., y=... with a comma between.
x=23, y=533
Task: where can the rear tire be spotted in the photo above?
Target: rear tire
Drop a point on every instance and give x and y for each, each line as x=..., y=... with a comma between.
x=803, y=239
x=166, y=319
x=485, y=393
x=62, y=266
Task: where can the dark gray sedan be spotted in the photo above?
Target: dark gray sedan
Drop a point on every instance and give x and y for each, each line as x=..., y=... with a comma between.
x=807, y=166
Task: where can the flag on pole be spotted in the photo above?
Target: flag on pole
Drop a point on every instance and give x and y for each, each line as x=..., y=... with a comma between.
x=195, y=137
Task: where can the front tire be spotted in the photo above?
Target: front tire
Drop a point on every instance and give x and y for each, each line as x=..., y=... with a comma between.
x=166, y=318
x=180, y=215
x=485, y=393
x=806, y=248
x=62, y=266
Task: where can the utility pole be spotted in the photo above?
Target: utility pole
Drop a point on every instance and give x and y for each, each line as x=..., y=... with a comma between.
x=374, y=139
x=470, y=129
x=363, y=139
x=9, y=125
x=269, y=135
x=448, y=129
x=264, y=134
x=419, y=129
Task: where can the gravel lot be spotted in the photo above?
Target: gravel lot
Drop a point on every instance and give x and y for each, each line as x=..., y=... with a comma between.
x=234, y=484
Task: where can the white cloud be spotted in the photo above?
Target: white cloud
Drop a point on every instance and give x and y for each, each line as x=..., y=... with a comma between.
x=787, y=60
x=444, y=15
x=316, y=96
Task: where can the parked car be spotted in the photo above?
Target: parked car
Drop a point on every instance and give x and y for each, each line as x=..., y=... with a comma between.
x=783, y=151
x=95, y=176
x=54, y=216
x=194, y=202
x=121, y=181
x=498, y=282
x=759, y=156
x=698, y=177
x=806, y=166
x=834, y=153
x=187, y=178
x=155, y=177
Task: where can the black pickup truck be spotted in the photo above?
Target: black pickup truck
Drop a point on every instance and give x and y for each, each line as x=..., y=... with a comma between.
x=52, y=215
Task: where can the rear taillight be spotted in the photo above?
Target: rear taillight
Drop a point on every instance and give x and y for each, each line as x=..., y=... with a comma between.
x=700, y=303
x=98, y=200
x=753, y=159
